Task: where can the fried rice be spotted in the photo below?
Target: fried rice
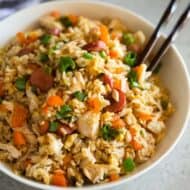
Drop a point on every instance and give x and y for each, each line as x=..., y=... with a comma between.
x=75, y=109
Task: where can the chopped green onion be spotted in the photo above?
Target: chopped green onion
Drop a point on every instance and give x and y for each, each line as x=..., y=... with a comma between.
x=132, y=78
x=88, y=55
x=53, y=126
x=103, y=54
x=130, y=59
x=164, y=104
x=80, y=95
x=45, y=39
x=128, y=39
x=108, y=133
x=64, y=113
x=44, y=57
x=157, y=69
x=66, y=21
x=129, y=165
x=20, y=83
x=66, y=64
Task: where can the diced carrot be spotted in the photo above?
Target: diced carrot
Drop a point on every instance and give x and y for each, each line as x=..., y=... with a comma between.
x=133, y=131
x=67, y=159
x=21, y=38
x=56, y=14
x=139, y=70
x=117, y=84
x=44, y=126
x=19, y=115
x=54, y=101
x=32, y=37
x=95, y=104
x=1, y=88
x=73, y=19
x=104, y=34
x=18, y=138
x=118, y=123
x=114, y=177
x=114, y=54
x=144, y=116
x=136, y=145
x=59, y=179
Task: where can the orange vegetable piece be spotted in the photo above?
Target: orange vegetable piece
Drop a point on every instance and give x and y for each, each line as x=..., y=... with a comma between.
x=95, y=104
x=32, y=36
x=54, y=101
x=139, y=71
x=19, y=115
x=56, y=14
x=144, y=116
x=136, y=145
x=44, y=127
x=73, y=19
x=59, y=179
x=117, y=84
x=132, y=131
x=114, y=54
x=21, y=38
x=114, y=177
x=104, y=34
x=18, y=138
x=118, y=123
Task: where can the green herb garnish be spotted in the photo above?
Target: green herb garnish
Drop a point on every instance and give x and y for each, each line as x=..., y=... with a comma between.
x=64, y=113
x=20, y=83
x=45, y=39
x=81, y=96
x=66, y=64
x=66, y=21
x=130, y=59
x=129, y=165
x=109, y=133
x=102, y=54
x=87, y=55
x=53, y=126
x=44, y=57
x=132, y=78
x=128, y=38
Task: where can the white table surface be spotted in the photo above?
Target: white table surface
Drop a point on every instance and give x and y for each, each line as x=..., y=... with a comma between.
x=173, y=173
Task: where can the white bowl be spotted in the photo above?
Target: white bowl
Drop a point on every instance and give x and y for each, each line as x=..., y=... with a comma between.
x=173, y=74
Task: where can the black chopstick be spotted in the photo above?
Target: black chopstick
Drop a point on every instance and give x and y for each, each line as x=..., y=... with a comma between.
x=166, y=15
x=178, y=26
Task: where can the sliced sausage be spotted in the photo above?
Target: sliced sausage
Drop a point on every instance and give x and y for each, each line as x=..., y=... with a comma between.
x=41, y=80
x=118, y=106
x=95, y=46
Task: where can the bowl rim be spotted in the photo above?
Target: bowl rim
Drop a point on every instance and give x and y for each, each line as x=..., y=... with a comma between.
x=35, y=184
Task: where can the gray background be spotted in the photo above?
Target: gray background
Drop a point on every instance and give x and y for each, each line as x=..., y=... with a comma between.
x=174, y=172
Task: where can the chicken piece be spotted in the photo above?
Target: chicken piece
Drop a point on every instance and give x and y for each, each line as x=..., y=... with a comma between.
x=94, y=172
x=14, y=153
x=88, y=124
x=49, y=23
x=33, y=100
x=50, y=145
x=156, y=126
